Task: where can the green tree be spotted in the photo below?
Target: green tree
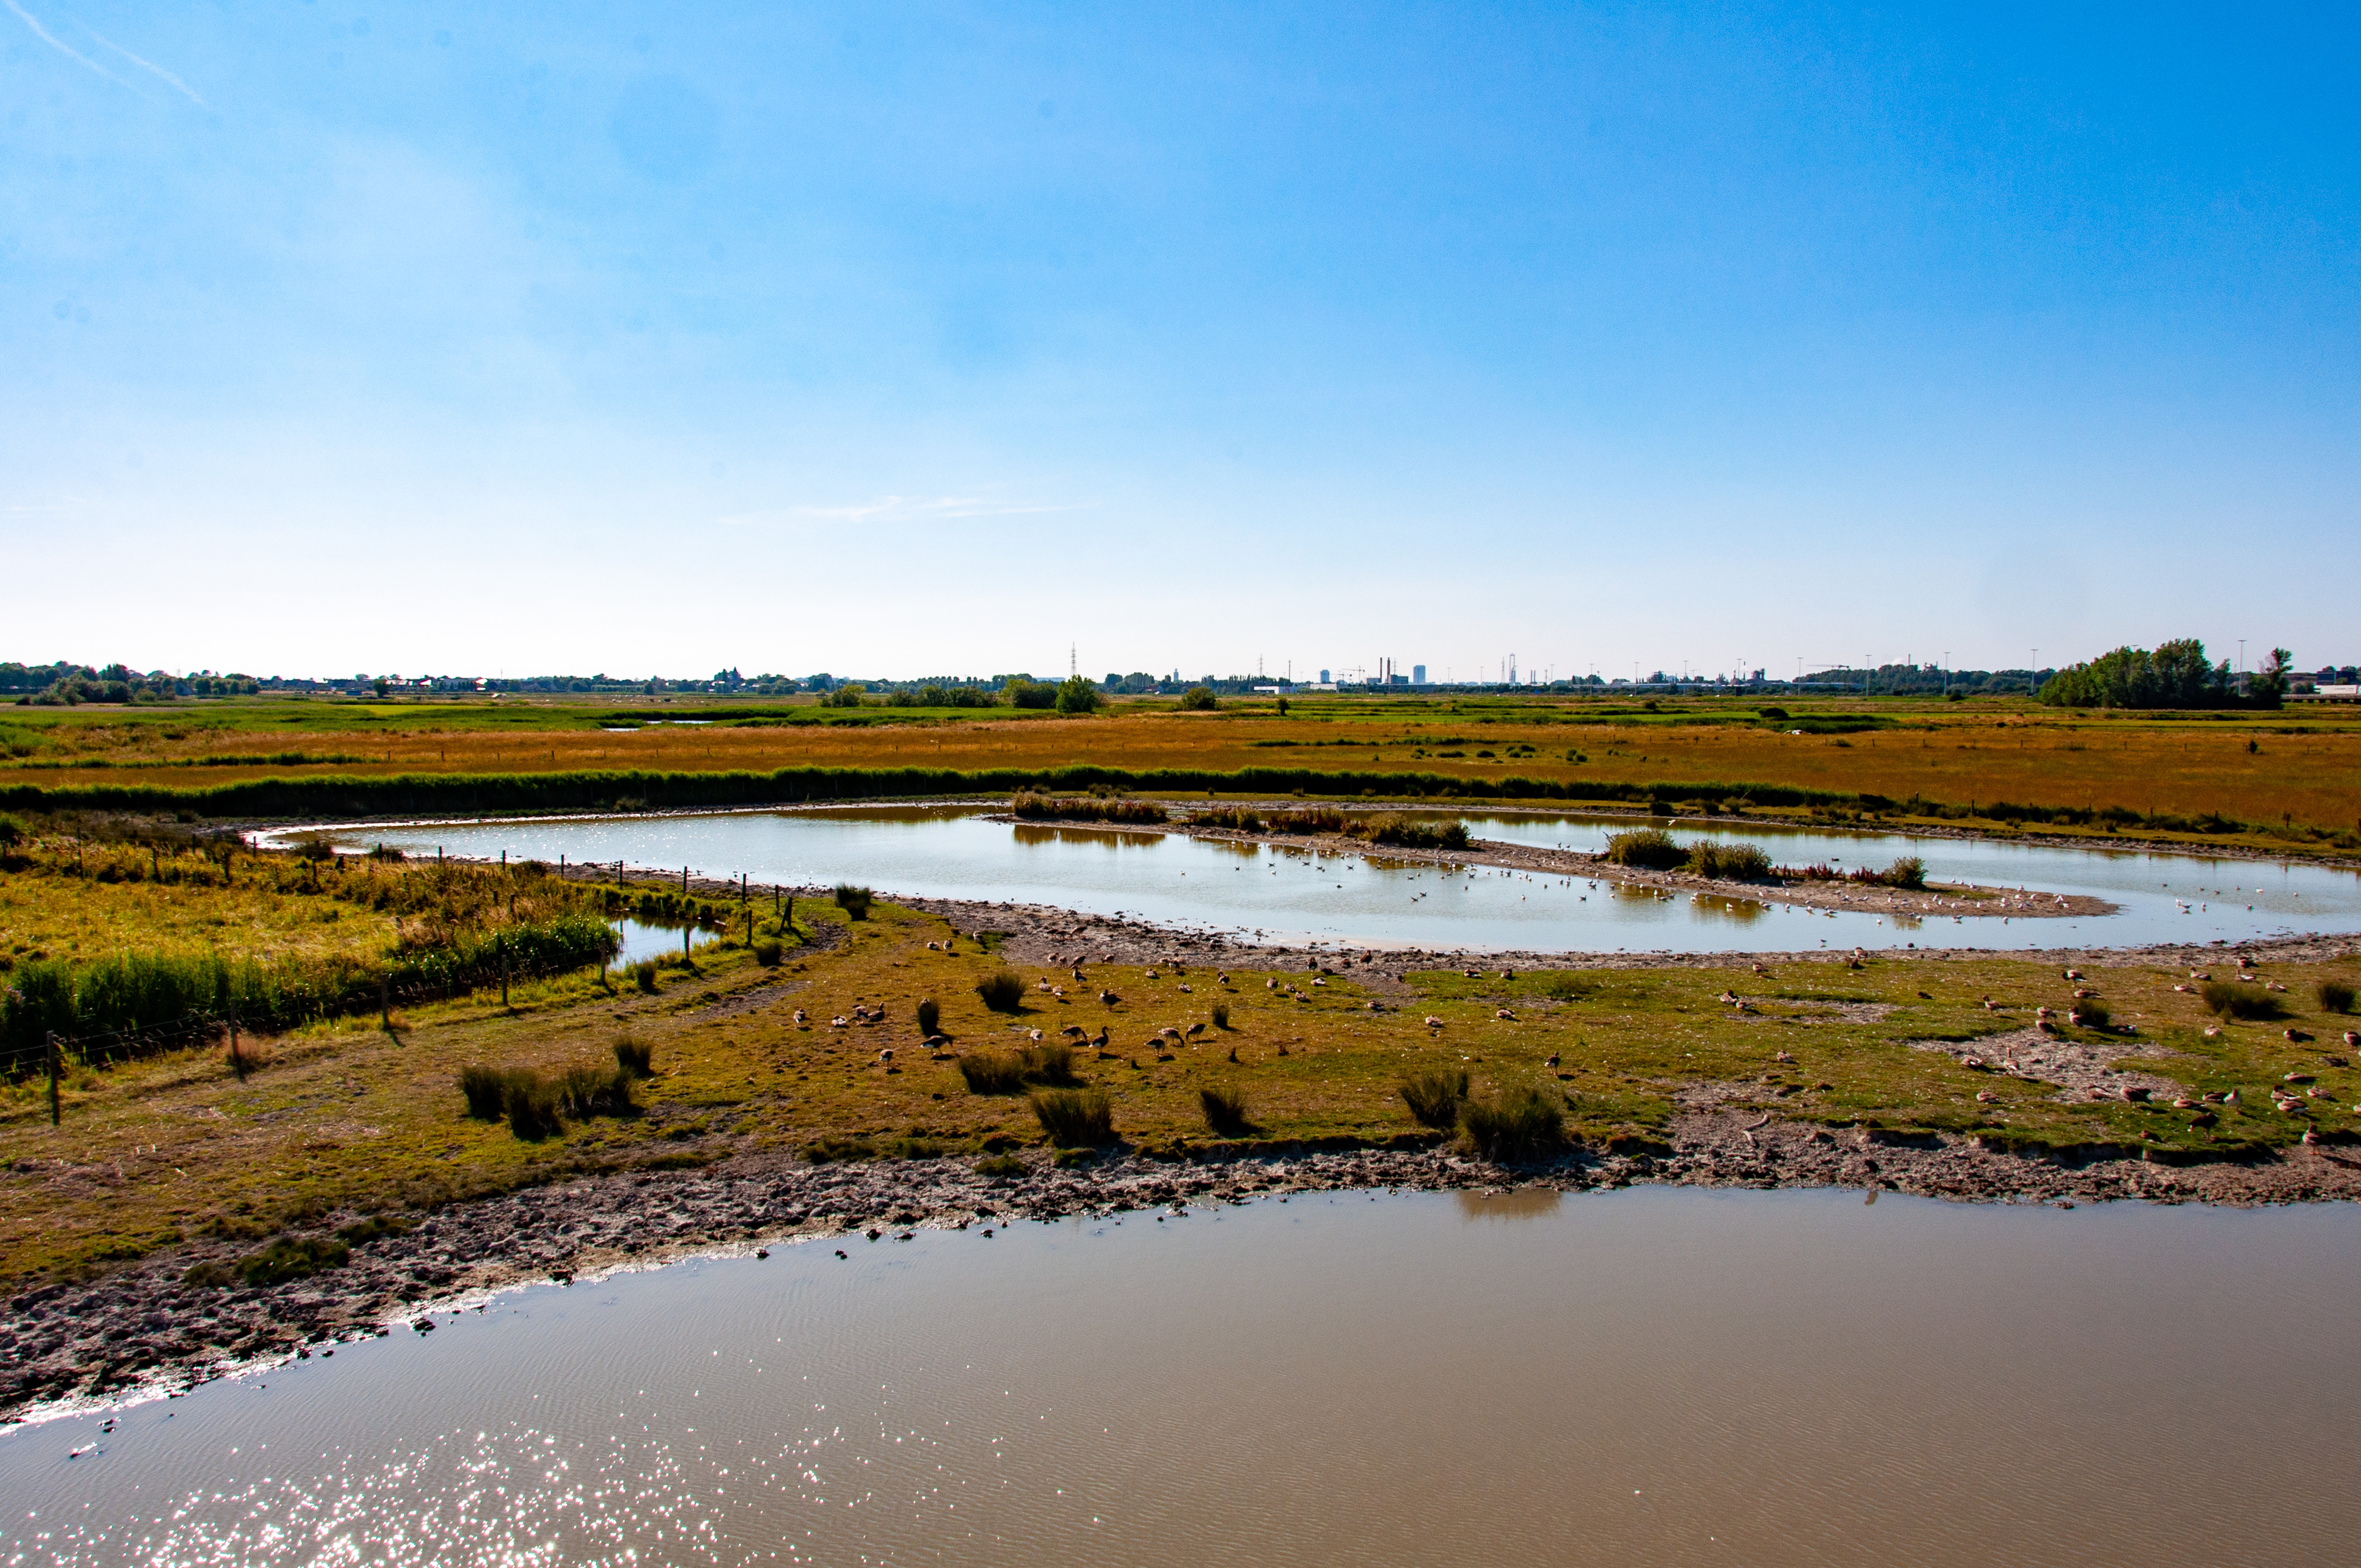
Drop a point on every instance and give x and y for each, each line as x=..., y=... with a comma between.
x=1198, y=699
x=1076, y=694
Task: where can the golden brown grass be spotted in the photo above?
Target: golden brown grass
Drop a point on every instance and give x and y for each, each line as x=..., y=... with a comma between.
x=2300, y=767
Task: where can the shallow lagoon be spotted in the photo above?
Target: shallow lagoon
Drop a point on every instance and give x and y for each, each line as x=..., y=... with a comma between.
x=1283, y=894
x=1654, y=1375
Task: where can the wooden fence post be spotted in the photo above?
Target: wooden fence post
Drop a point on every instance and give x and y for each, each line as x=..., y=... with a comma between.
x=237, y=1061
x=52, y=1040
x=385, y=1003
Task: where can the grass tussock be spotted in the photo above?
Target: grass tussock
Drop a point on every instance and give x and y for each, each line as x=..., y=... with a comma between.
x=2336, y=996
x=836, y=1150
x=1050, y=1063
x=1003, y=990
x=1221, y=1015
x=992, y=1072
x=1434, y=1098
x=1237, y=819
x=1000, y=1165
x=644, y=975
x=854, y=901
x=1522, y=1123
x=1401, y=832
x=930, y=1015
x=2229, y=999
x=1075, y=1118
x=1224, y=1109
x=538, y=1105
x=767, y=951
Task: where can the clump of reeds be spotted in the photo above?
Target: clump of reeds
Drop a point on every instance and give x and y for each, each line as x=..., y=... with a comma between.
x=1000, y=1165
x=854, y=900
x=2089, y=1016
x=2228, y=999
x=1907, y=871
x=2336, y=996
x=1003, y=990
x=536, y=1105
x=1728, y=863
x=634, y=1055
x=1434, y=1098
x=767, y=951
x=644, y=975
x=915, y=1146
x=1221, y=1015
x=1650, y=848
x=1408, y=832
x=1225, y=1110
x=831, y=1149
x=929, y=1016
x=992, y=1072
x=1075, y=1118
x=1239, y=818
x=1515, y=1124
x=1037, y=808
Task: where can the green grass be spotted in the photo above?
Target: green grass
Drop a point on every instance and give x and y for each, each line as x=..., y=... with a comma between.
x=2229, y=999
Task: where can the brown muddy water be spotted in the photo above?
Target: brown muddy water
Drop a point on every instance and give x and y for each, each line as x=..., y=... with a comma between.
x=1652, y=1376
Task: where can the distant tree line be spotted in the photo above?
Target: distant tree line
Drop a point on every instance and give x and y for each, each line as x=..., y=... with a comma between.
x=2175, y=674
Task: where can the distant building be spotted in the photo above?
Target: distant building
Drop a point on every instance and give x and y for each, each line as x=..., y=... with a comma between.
x=1325, y=678
x=1418, y=674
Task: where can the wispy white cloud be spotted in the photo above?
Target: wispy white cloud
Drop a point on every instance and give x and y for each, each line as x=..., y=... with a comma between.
x=60, y=45
x=179, y=86
x=900, y=509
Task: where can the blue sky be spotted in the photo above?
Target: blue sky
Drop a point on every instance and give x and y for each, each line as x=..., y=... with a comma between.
x=933, y=338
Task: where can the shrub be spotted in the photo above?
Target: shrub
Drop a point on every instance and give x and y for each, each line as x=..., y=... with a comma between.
x=644, y=975
x=2228, y=999
x=485, y=1089
x=1908, y=871
x=1198, y=699
x=1075, y=1118
x=1434, y=1098
x=1000, y=1165
x=1003, y=990
x=1732, y=862
x=1225, y=1110
x=929, y=1016
x=2336, y=996
x=293, y=1257
x=1077, y=695
x=1516, y=1123
x=992, y=1072
x=854, y=900
x=1221, y=1014
x=1308, y=819
x=1651, y=848
x=634, y=1055
x=767, y=951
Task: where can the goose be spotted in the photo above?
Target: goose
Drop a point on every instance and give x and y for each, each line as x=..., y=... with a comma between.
x=1032, y=1033
x=1074, y=1031
x=1550, y=1060
x=1100, y=1040
x=1986, y=1097
x=799, y=1016
x=1432, y=1022
x=1194, y=1030
x=1784, y=1056
x=885, y=1057
x=1109, y=997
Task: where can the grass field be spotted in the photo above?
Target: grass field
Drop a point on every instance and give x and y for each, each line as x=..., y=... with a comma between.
x=2287, y=776
x=348, y=1117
